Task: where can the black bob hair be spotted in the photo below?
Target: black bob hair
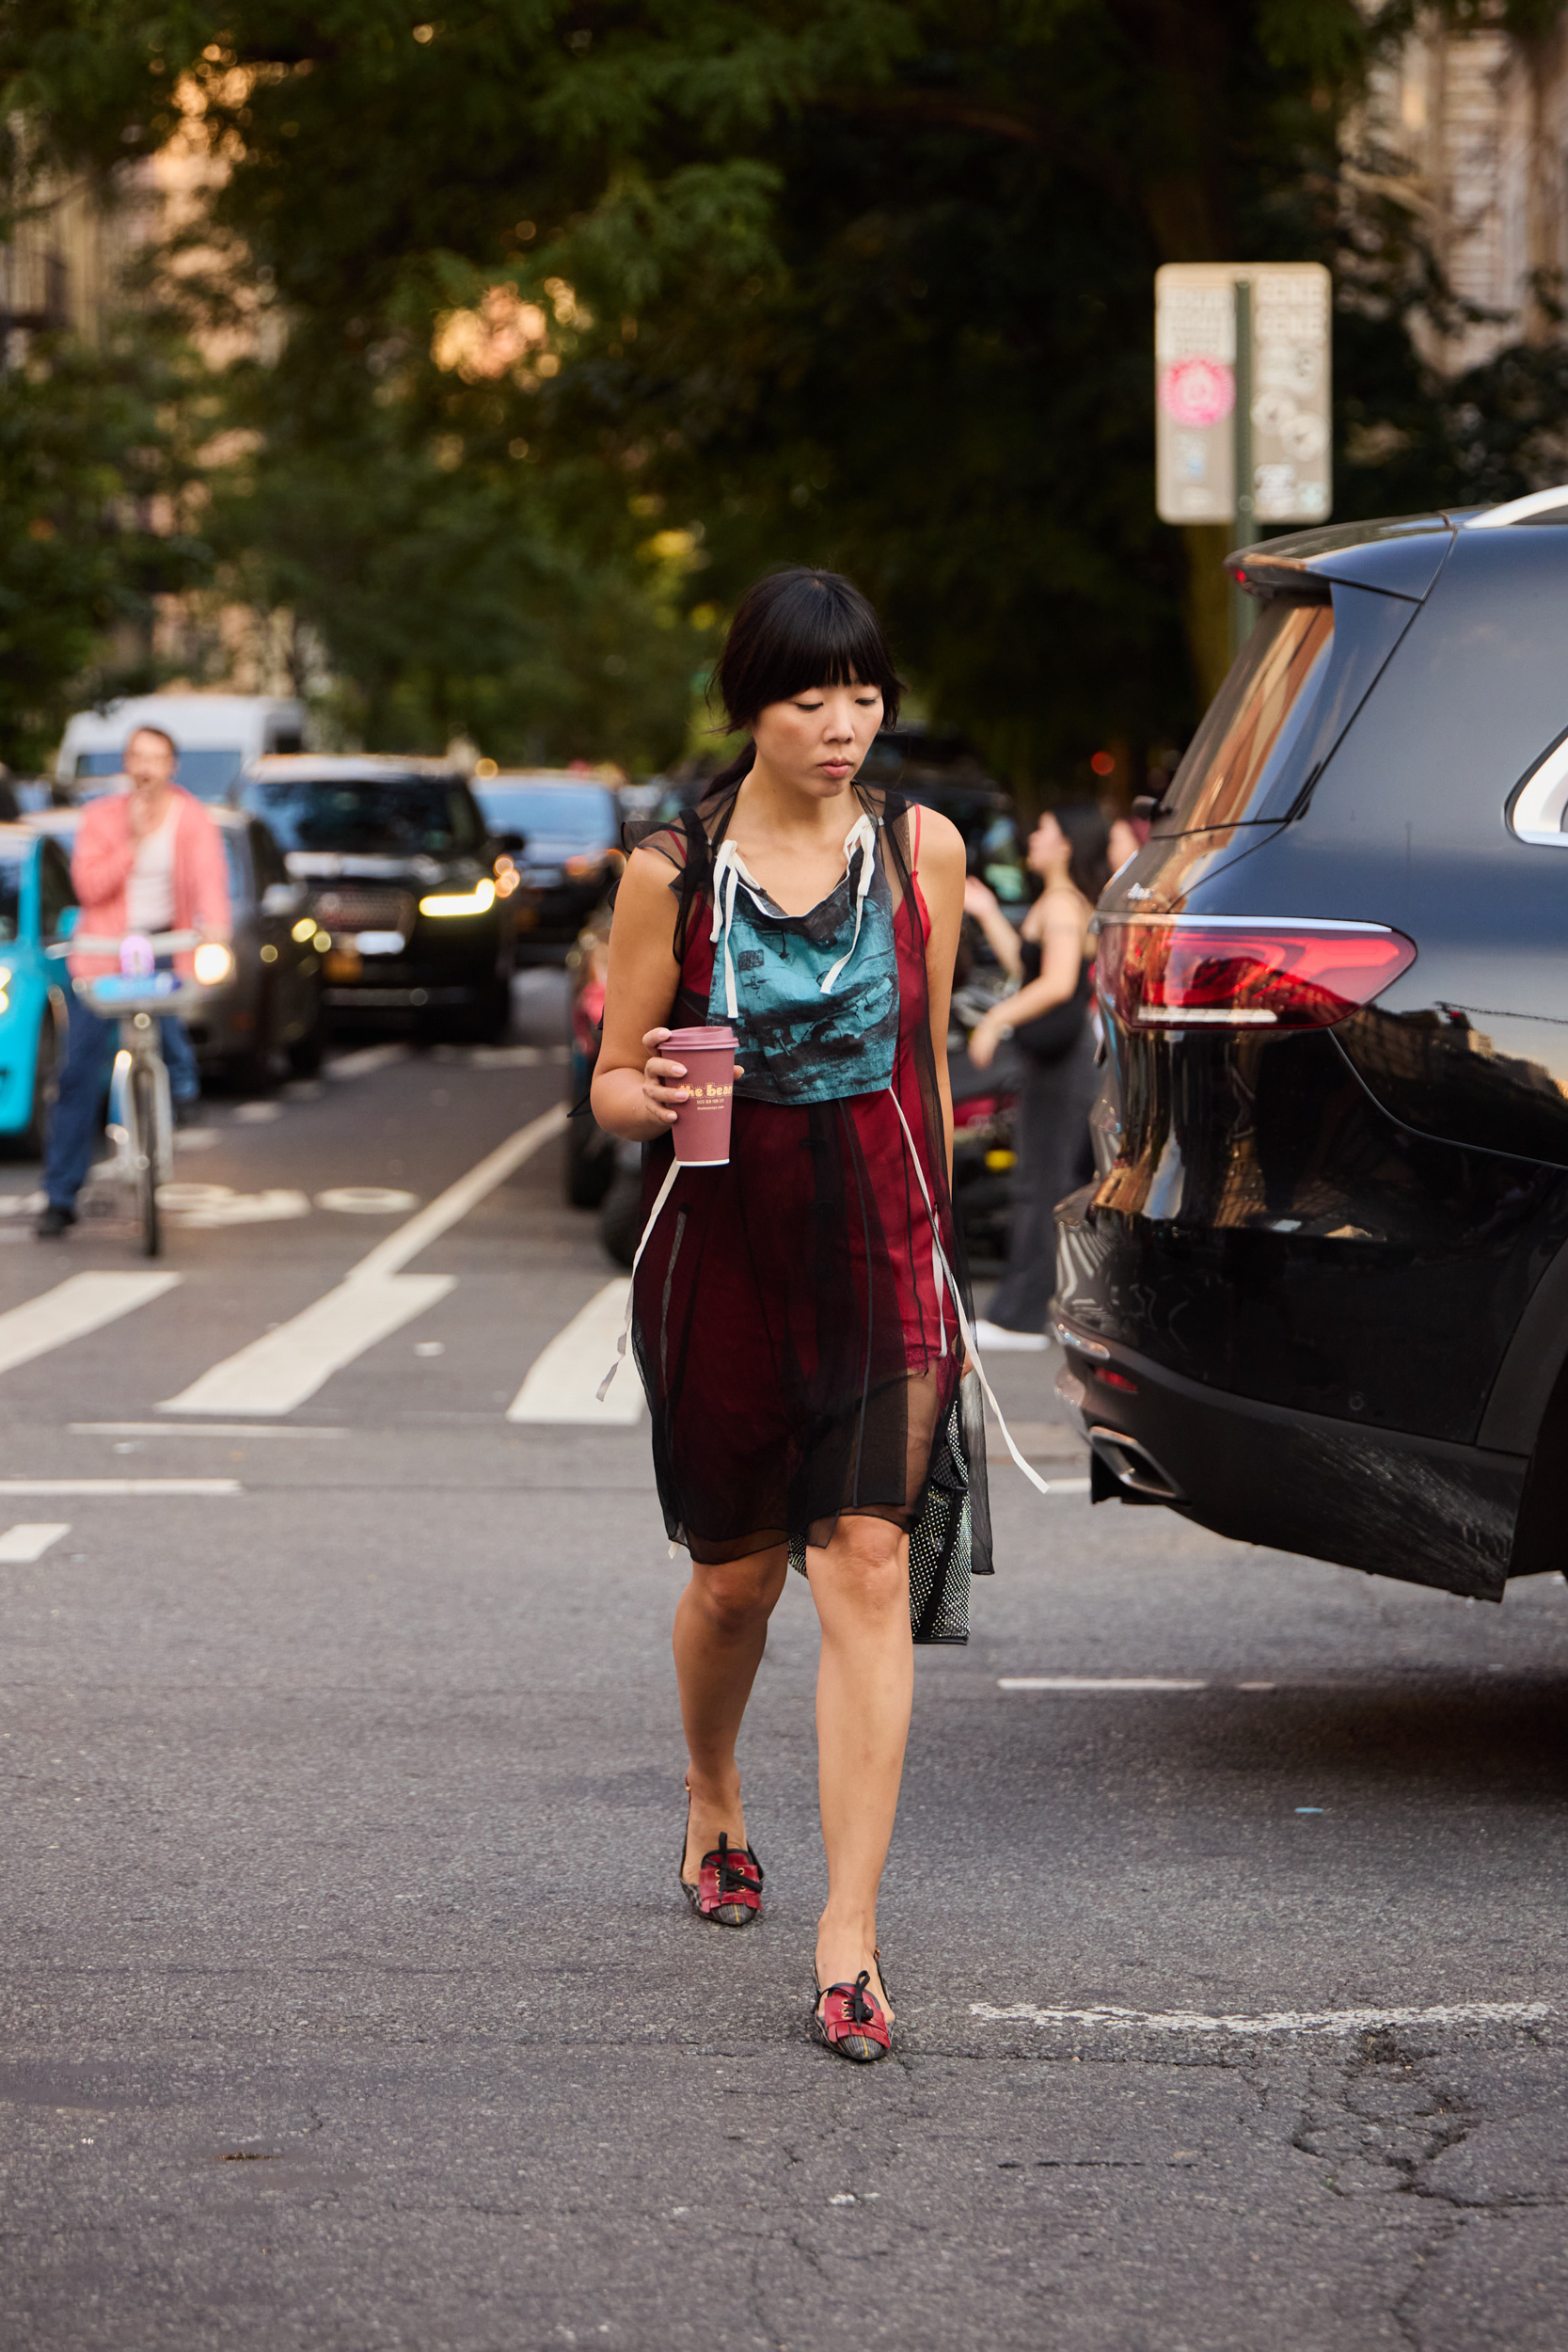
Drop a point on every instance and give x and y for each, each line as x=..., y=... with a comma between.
x=793, y=631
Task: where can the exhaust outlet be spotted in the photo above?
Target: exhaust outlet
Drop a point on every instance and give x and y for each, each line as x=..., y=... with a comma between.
x=1134, y=1467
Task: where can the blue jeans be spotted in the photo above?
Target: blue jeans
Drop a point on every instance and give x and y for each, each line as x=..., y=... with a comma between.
x=73, y=1131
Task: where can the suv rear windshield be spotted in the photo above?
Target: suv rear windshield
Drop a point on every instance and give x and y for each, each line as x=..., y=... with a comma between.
x=1292, y=691
x=379, y=817
x=1255, y=719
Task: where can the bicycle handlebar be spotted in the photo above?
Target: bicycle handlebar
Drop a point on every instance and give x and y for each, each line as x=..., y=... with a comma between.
x=161, y=943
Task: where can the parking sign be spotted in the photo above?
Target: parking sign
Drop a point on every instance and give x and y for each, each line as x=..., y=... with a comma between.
x=1242, y=393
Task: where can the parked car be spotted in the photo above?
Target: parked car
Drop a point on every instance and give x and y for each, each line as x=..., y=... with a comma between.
x=35, y=895
x=215, y=735
x=398, y=872
x=272, y=1002
x=563, y=829
x=1318, y=1296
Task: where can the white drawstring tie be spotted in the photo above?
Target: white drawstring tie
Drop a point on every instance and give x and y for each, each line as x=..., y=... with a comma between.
x=863, y=836
x=730, y=871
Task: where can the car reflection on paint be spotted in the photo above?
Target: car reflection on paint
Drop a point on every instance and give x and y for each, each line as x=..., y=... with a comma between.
x=1316, y=1297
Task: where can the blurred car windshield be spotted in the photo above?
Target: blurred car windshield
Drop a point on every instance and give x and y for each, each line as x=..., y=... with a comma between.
x=239, y=881
x=208, y=774
x=576, y=816
x=10, y=895
x=384, y=816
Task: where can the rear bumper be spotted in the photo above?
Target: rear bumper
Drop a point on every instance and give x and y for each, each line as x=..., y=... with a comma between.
x=1415, y=1508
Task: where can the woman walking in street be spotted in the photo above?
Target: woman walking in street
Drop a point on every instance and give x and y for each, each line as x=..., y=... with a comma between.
x=1049, y=1023
x=794, y=1312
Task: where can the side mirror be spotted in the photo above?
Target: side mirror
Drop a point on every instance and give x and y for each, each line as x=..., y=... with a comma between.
x=66, y=922
x=512, y=843
x=282, y=898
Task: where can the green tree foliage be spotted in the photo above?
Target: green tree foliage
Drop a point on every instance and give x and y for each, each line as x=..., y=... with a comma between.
x=865, y=282
x=94, y=482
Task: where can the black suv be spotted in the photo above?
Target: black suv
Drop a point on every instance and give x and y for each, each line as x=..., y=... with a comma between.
x=400, y=873
x=1318, y=1296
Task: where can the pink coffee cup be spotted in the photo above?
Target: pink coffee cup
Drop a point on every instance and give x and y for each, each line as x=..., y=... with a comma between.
x=702, y=1132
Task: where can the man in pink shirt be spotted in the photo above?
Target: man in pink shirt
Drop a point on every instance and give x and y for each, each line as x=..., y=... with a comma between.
x=148, y=859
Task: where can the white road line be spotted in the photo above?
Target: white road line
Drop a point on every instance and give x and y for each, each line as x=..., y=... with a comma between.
x=281, y=1369
x=391, y=1255
x=198, y=1429
x=1097, y=1682
x=120, y=1486
x=84, y=1303
x=360, y=1064
x=563, y=1383
x=502, y=1057
x=1328, y=2021
x=32, y=1538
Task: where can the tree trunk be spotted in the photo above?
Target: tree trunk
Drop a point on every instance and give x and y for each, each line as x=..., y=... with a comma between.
x=1208, y=605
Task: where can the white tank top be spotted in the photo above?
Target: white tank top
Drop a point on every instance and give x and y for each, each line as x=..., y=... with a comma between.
x=150, y=893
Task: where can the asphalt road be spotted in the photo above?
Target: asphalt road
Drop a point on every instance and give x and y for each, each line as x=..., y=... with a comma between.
x=349, y=2001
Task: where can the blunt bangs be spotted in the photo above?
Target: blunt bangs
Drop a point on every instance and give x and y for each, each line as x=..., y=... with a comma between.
x=797, y=629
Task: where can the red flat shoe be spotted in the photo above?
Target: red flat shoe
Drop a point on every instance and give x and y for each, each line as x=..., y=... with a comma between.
x=847, y=2020
x=728, y=1892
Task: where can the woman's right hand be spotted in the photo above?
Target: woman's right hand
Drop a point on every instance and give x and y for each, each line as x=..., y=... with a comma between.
x=662, y=1092
x=983, y=1039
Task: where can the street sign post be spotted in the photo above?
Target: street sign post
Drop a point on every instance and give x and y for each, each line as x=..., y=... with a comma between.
x=1241, y=393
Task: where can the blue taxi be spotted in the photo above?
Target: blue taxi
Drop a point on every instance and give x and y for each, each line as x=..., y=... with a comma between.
x=37, y=909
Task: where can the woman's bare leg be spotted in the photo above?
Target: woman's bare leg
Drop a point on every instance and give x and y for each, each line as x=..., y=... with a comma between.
x=721, y=1633
x=864, y=1690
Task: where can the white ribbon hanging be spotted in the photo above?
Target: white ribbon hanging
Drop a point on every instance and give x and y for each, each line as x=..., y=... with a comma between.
x=987, y=1391
x=664, y=1191
x=730, y=871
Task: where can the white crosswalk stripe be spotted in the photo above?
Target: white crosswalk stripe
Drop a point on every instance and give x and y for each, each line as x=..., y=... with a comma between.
x=563, y=1383
x=31, y=1539
x=279, y=1371
x=83, y=1303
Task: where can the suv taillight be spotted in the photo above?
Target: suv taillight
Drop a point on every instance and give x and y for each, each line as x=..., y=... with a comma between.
x=1229, y=972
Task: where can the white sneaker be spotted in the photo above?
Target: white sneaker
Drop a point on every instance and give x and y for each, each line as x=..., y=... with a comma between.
x=997, y=1337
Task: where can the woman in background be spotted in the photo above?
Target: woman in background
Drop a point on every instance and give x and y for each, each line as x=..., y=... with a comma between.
x=1048, y=1021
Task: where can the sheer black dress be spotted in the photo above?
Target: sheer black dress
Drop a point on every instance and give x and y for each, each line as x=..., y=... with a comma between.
x=792, y=1321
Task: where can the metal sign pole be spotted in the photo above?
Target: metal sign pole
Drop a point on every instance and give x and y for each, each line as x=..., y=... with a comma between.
x=1243, y=610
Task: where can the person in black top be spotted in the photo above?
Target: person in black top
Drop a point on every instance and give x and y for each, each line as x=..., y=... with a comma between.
x=1048, y=1021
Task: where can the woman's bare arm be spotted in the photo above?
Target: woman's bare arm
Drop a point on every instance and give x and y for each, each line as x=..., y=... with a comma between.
x=1061, y=936
x=981, y=901
x=940, y=869
x=636, y=1092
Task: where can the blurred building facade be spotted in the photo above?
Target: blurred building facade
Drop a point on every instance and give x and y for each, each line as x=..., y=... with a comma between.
x=1476, y=124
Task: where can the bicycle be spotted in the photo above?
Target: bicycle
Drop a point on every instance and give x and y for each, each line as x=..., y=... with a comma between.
x=141, y=1111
